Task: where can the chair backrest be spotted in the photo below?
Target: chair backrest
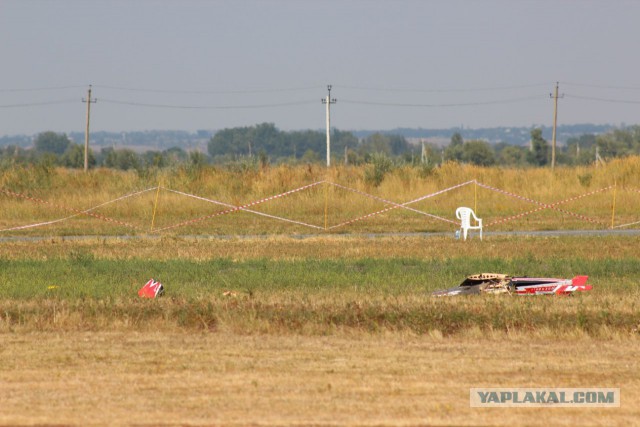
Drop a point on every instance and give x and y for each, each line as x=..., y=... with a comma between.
x=464, y=215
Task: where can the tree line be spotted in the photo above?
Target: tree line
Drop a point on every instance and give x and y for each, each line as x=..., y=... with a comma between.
x=309, y=146
x=264, y=144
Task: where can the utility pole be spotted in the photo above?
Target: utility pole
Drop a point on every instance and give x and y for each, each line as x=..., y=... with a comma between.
x=89, y=101
x=555, y=124
x=328, y=101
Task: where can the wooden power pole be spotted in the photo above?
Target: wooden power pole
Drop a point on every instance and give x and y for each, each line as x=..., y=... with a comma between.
x=328, y=101
x=89, y=101
x=555, y=124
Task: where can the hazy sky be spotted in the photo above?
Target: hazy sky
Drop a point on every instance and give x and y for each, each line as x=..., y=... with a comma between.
x=393, y=63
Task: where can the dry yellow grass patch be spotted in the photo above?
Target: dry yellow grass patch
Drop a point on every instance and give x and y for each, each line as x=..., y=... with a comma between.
x=128, y=203
x=329, y=247
x=223, y=378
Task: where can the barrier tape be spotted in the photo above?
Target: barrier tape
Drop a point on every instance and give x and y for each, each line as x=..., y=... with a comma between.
x=635, y=190
x=626, y=225
x=38, y=224
x=233, y=208
x=77, y=211
x=544, y=205
x=403, y=205
x=353, y=190
x=239, y=208
x=437, y=193
x=246, y=210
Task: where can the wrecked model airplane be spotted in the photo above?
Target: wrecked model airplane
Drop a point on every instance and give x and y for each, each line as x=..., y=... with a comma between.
x=494, y=283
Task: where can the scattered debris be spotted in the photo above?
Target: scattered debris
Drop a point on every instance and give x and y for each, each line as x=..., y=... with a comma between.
x=151, y=289
x=495, y=283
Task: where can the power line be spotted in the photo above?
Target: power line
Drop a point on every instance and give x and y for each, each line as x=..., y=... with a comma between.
x=39, y=104
x=41, y=89
x=208, y=92
x=603, y=86
x=444, y=105
x=422, y=90
x=293, y=89
x=593, y=98
x=206, y=107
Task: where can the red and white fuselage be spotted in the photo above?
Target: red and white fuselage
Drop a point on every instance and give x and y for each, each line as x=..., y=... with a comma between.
x=548, y=286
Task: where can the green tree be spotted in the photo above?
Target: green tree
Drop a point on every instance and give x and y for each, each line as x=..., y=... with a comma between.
x=539, y=154
x=266, y=137
x=51, y=142
x=454, y=151
x=310, y=156
x=620, y=142
x=230, y=144
x=73, y=157
x=513, y=155
x=390, y=145
x=154, y=159
x=197, y=159
x=376, y=143
x=581, y=150
x=124, y=159
x=478, y=153
x=300, y=142
x=398, y=145
x=456, y=140
x=433, y=154
x=340, y=140
x=248, y=141
x=174, y=156
x=379, y=165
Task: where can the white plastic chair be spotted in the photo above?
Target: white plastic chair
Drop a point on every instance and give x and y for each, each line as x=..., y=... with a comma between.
x=464, y=215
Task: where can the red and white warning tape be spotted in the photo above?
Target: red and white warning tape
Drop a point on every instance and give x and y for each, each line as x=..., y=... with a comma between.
x=403, y=205
x=239, y=208
x=543, y=206
x=77, y=212
x=396, y=205
x=246, y=210
x=635, y=190
x=626, y=225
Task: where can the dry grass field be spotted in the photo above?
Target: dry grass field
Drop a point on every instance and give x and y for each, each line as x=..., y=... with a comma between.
x=170, y=377
x=309, y=354
x=203, y=201
x=330, y=329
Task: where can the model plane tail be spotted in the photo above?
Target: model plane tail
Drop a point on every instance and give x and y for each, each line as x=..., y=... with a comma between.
x=579, y=280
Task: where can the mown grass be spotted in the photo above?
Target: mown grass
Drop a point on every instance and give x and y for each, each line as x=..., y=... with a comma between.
x=83, y=276
x=81, y=288
x=76, y=378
